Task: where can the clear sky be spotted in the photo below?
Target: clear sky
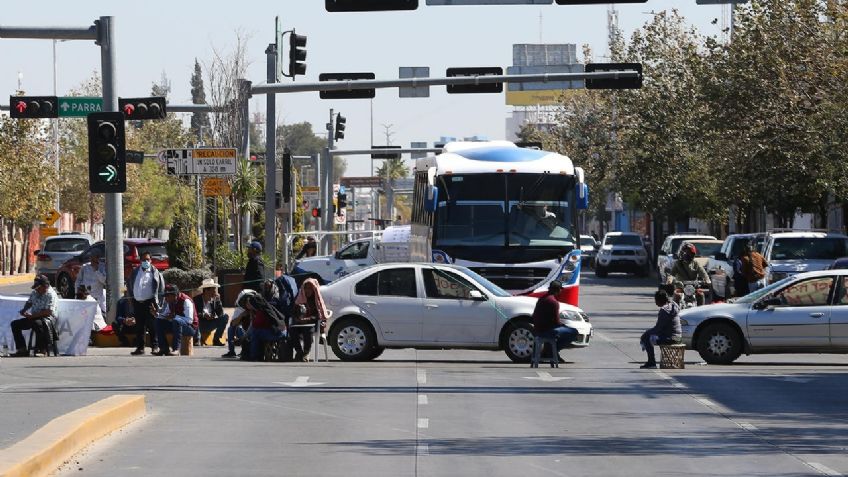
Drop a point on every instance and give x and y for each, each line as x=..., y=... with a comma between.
x=156, y=36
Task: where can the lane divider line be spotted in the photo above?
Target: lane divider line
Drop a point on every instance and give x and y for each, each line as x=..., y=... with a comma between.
x=422, y=450
x=748, y=426
x=43, y=451
x=422, y=400
x=422, y=376
x=423, y=423
x=824, y=469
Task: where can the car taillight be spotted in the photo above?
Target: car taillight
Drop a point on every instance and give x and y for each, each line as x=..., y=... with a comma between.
x=43, y=257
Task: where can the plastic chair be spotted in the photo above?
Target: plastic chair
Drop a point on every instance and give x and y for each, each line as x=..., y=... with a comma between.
x=539, y=343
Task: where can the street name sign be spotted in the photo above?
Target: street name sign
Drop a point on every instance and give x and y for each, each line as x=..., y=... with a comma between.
x=79, y=106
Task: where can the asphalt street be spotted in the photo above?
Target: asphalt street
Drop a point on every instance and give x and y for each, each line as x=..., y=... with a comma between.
x=453, y=412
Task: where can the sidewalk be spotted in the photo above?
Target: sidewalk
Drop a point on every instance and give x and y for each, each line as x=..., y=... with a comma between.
x=17, y=279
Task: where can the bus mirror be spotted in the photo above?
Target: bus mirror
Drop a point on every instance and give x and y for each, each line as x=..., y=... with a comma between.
x=431, y=199
x=582, y=196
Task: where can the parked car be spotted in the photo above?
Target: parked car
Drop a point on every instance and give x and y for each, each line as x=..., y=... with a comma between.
x=588, y=249
x=133, y=248
x=390, y=246
x=622, y=252
x=428, y=305
x=720, y=267
x=57, y=249
x=668, y=252
x=789, y=253
x=802, y=313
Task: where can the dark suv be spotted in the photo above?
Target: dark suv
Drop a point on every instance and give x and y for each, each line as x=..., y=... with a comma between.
x=133, y=248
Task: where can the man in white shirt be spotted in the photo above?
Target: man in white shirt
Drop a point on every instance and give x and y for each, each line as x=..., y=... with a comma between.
x=179, y=317
x=146, y=288
x=99, y=323
x=92, y=276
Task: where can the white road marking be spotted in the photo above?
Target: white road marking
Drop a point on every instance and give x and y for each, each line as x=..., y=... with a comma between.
x=705, y=402
x=823, y=469
x=422, y=449
x=422, y=400
x=546, y=377
x=793, y=379
x=663, y=375
x=748, y=426
x=423, y=423
x=300, y=382
x=422, y=376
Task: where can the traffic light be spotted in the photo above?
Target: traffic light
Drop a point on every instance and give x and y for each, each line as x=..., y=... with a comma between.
x=369, y=5
x=287, y=170
x=340, y=126
x=341, y=201
x=316, y=212
x=142, y=108
x=297, y=54
x=107, y=171
x=32, y=107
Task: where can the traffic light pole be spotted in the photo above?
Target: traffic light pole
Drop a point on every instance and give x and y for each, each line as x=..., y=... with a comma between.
x=327, y=186
x=102, y=33
x=271, y=165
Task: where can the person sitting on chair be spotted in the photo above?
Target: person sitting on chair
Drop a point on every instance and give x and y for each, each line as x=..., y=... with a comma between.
x=314, y=312
x=268, y=325
x=99, y=323
x=666, y=331
x=210, y=312
x=43, y=304
x=546, y=320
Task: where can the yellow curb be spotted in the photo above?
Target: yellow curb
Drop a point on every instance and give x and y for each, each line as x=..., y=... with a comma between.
x=47, y=448
x=17, y=279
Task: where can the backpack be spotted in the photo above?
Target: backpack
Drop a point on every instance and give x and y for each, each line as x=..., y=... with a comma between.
x=288, y=292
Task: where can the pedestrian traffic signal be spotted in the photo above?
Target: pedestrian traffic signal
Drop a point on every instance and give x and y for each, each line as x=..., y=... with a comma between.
x=316, y=212
x=340, y=126
x=107, y=171
x=341, y=202
x=369, y=5
x=297, y=54
x=33, y=107
x=142, y=108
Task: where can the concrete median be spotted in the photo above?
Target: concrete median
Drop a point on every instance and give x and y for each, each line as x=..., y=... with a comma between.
x=47, y=448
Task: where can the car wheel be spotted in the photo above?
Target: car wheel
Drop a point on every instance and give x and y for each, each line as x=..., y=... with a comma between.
x=719, y=343
x=353, y=339
x=600, y=272
x=518, y=343
x=64, y=286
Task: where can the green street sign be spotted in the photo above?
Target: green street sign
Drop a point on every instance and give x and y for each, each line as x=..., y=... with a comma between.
x=79, y=106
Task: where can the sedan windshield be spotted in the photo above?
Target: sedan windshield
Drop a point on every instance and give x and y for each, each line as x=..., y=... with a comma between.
x=707, y=249
x=809, y=248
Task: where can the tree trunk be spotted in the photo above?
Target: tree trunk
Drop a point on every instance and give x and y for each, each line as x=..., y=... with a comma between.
x=12, y=248
x=3, y=248
x=24, y=265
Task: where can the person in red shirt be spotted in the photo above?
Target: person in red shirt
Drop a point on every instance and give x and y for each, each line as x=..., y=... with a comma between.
x=546, y=321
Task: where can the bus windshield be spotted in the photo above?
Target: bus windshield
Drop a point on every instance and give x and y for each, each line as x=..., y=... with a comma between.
x=505, y=210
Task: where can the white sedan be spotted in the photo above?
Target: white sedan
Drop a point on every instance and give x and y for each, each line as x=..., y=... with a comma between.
x=423, y=305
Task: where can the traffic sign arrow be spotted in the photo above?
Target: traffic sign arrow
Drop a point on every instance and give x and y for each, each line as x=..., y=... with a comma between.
x=64, y=106
x=300, y=382
x=109, y=173
x=545, y=377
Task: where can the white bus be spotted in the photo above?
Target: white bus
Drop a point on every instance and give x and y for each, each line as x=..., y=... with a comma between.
x=508, y=213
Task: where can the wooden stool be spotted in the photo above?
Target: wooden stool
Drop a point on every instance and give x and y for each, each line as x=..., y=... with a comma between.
x=671, y=356
x=187, y=346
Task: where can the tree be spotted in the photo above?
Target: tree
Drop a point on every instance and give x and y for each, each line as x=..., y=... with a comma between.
x=199, y=121
x=162, y=88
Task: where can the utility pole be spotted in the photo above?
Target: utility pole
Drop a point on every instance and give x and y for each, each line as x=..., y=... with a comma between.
x=326, y=186
x=271, y=164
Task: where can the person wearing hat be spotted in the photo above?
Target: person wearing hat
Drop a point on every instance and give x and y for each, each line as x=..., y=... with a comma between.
x=254, y=274
x=546, y=319
x=179, y=316
x=210, y=312
x=43, y=303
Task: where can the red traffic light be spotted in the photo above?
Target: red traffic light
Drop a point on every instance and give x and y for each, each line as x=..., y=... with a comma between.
x=143, y=108
x=21, y=106
x=33, y=107
x=129, y=109
x=316, y=212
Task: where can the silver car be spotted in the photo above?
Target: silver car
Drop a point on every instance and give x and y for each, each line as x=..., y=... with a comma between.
x=57, y=249
x=424, y=305
x=803, y=313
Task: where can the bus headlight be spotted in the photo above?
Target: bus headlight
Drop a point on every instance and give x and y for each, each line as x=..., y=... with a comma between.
x=568, y=268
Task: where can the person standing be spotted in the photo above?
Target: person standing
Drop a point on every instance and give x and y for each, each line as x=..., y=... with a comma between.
x=92, y=276
x=753, y=268
x=146, y=290
x=210, y=310
x=666, y=331
x=254, y=274
x=309, y=249
x=177, y=316
x=546, y=320
x=43, y=303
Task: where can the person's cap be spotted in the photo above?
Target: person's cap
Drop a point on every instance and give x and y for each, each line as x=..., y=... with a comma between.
x=40, y=280
x=209, y=283
x=171, y=289
x=555, y=285
x=255, y=245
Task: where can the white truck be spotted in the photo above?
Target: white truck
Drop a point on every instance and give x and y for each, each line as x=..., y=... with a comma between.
x=391, y=246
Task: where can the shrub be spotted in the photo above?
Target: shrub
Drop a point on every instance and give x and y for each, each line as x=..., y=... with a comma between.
x=186, y=280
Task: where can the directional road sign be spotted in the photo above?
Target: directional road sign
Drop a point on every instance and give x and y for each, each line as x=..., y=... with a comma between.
x=79, y=106
x=51, y=217
x=210, y=161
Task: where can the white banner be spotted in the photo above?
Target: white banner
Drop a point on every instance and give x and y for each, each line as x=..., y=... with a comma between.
x=73, y=323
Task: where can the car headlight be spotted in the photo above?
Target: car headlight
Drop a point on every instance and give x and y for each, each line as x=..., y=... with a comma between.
x=570, y=315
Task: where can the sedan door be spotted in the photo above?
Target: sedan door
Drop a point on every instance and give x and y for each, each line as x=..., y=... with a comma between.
x=839, y=315
x=451, y=315
x=390, y=298
x=802, y=320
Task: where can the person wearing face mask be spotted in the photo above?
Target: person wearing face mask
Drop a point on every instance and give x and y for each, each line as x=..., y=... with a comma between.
x=146, y=291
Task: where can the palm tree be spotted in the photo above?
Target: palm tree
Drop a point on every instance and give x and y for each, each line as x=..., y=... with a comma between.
x=247, y=191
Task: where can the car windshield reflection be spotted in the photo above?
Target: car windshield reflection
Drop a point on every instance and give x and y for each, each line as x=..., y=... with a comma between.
x=752, y=297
